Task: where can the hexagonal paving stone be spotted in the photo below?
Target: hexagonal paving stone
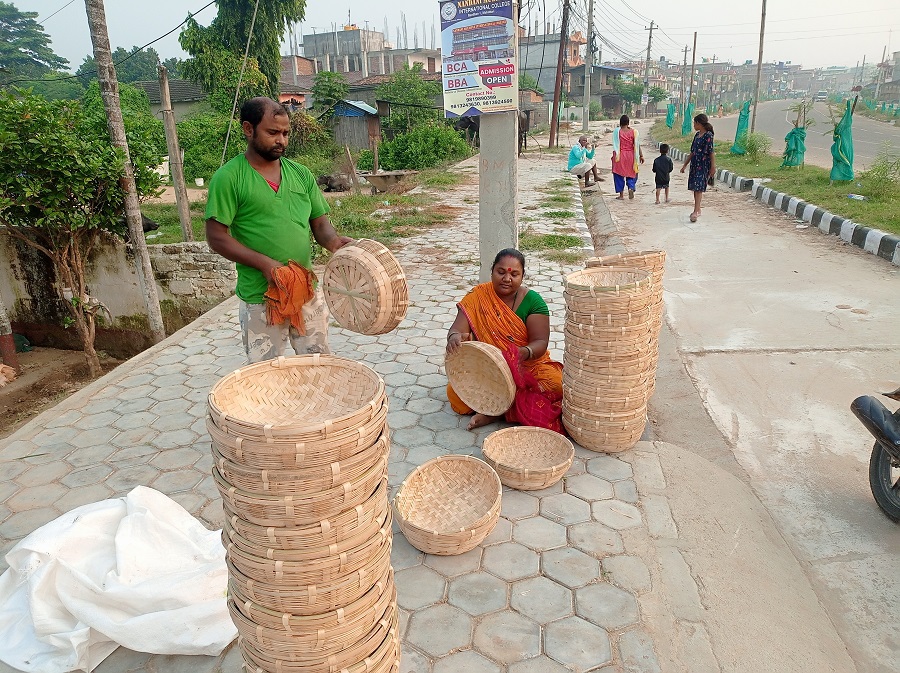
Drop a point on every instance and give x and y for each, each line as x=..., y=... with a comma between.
x=507, y=637
x=100, y=420
x=7, y=488
x=616, y=514
x=570, y=567
x=455, y=440
x=539, y=533
x=587, y=487
x=596, y=539
x=86, y=476
x=609, y=468
x=424, y=405
x=459, y=564
x=192, y=502
x=626, y=491
x=540, y=664
x=42, y=474
x=402, y=419
x=628, y=572
x=577, y=643
x=170, y=393
x=94, y=447
x=129, y=477
x=53, y=437
x=510, y=561
x=132, y=421
x=541, y=599
x=419, y=586
x=478, y=593
x=502, y=533
x=440, y=629
x=82, y=496
x=518, y=505
x=175, y=438
x=136, y=406
x=413, y=661
x=179, y=480
x=176, y=458
x=440, y=421
x=565, y=508
x=413, y=437
x=418, y=455
x=36, y=497
x=397, y=472
x=465, y=662
x=636, y=652
x=20, y=524
x=606, y=606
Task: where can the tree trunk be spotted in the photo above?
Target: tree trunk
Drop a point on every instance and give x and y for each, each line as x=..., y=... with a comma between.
x=109, y=88
x=70, y=275
x=7, y=344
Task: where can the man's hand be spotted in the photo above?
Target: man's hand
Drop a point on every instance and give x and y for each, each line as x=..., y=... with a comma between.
x=268, y=269
x=642, y=158
x=339, y=242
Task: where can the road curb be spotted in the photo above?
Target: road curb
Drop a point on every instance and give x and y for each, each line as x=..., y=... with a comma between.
x=874, y=241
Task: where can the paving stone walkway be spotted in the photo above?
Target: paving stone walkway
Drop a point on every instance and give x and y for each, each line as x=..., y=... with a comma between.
x=553, y=588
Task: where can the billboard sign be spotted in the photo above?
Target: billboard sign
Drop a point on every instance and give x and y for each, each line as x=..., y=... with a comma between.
x=478, y=45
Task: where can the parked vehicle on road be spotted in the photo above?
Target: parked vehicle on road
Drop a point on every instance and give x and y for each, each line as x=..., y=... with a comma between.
x=821, y=96
x=884, y=463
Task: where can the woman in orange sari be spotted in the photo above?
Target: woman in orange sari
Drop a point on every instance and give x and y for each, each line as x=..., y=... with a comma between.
x=508, y=315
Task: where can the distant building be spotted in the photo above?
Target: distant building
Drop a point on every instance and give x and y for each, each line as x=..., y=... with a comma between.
x=185, y=96
x=342, y=50
x=538, y=55
x=356, y=125
x=293, y=67
x=365, y=89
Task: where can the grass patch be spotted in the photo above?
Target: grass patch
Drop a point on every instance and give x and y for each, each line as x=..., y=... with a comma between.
x=166, y=215
x=557, y=201
x=565, y=257
x=536, y=242
x=439, y=178
x=809, y=183
x=559, y=214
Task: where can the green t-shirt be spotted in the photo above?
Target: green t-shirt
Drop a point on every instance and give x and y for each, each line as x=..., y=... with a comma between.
x=273, y=223
x=532, y=302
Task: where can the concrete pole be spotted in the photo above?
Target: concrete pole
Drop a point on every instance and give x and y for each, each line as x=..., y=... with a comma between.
x=693, y=65
x=647, y=69
x=557, y=87
x=498, y=224
x=683, y=76
x=176, y=167
x=762, y=37
x=588, y=67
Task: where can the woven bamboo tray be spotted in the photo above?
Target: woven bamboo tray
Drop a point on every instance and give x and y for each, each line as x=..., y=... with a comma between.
x=621, y=305
x=481, y=378
x=596, y=316
x=629, y=365
x=293, y=454
x=309, y=599
x=645, y=328
x=302, y=397
x=449, y=504
x=609, y=391
x=386, y=659
x=294, y=510
x=608, y=347
x=301, y=482
x=599, y=404
x=588, y=417
x=365, y=288
x=609, y=441
x=649, y=260
x=526, y=458
x=607, y=282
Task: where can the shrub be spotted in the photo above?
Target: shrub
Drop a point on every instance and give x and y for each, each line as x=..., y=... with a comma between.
x=423, y=147
x=202, y=136
x=756, y=145
x=882, y=180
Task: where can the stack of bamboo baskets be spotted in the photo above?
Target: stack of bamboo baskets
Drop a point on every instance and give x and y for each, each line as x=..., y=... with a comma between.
x=613, y=319
x=300, y=447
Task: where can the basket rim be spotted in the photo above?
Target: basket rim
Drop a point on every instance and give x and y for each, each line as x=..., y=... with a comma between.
x=468, y=349
x=641, y=280
x=521, y=469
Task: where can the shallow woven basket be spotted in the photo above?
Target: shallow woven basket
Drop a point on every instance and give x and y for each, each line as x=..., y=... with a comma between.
x=526, y=458
x=302, y=397
x=640, y=343
x=613, y=440
x=297, y=510
x=277, y=454
x=480, y=376
x=595, y=417
x=365, y=288
x=595, y=316
x=603, y=403
x=649, y=260
x=449, y=504
x=607, y=283
x=601, y=333
x=301, y=482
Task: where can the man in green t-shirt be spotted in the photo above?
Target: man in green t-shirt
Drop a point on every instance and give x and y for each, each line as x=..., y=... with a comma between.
x=261, y=210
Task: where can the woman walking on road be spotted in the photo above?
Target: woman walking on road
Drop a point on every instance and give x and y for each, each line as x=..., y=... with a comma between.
x=702, y=160
x=626, y=152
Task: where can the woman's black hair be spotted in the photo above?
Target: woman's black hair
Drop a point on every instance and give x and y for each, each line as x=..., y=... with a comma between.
x=509, y=252
x=703, y=120
x=624, y=120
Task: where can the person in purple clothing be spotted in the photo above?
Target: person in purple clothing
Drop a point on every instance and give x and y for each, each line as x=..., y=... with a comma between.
x=702, y=160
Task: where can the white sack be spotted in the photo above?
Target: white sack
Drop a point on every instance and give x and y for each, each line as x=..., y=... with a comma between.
x=137, y=571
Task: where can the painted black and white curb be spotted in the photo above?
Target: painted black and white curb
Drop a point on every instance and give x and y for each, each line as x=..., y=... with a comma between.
x=874, y=241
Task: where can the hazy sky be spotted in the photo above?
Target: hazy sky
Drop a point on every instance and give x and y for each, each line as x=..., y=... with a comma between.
x=812, y=32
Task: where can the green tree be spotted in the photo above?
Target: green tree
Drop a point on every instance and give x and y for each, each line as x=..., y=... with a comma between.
x=328, y=88
x=24, y=46
x=173, y=66
x=528, y=82
x=657, y=93
x=132, y=66
x=407, y=91
x=631, y=92
x=58, y=86
x=202, y=137
x=59, y=191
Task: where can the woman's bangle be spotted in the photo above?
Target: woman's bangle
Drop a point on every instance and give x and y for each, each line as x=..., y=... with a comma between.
x=530, y=353
x=450, y=334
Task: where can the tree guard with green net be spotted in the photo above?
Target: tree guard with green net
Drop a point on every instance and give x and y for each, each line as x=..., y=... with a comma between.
x=688, y=122
x=795, y=147
x=842, y=147
x=670, y=115
x=740, y=134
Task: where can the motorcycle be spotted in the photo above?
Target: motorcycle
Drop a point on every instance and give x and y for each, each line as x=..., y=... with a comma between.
x=884, y=464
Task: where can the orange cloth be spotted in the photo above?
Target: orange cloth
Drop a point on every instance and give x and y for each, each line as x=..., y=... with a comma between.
x=293, y=287
x=538, y=381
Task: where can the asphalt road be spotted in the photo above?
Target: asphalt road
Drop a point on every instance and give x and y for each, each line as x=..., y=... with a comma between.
x=772, y=118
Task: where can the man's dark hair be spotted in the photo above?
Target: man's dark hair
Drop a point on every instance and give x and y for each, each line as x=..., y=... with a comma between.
x=663, y=149
x=255, y=109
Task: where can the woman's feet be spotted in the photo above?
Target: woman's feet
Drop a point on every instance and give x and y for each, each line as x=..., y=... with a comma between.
x=630, y=193
x=694, y=216
x=480, y=420
x=620, y=197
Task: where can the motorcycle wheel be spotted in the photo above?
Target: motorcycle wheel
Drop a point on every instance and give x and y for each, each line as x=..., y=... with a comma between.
x=884, y=480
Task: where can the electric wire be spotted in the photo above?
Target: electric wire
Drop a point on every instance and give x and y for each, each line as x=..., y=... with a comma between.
x=47, y=18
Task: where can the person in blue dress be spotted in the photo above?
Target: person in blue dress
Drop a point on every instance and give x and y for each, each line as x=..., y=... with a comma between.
x=702, y=160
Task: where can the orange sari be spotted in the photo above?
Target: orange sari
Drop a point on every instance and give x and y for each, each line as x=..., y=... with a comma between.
x=538, y=399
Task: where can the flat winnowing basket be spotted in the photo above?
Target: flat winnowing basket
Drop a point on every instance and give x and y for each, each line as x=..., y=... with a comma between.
x=297, y=510
x=300, y=482
x=449, y=504
x=527, y=458
x=365, y=288
x=309, y=599
x=481, y=378
x=301, y=397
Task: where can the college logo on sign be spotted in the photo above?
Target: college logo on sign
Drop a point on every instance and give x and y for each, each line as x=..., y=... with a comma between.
x=448, y=11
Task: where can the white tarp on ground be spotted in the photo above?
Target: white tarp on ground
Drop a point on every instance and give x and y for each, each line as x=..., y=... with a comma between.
x=137, y=571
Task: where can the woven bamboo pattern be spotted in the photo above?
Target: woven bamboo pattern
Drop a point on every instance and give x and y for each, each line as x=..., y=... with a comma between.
x=365, y=288
x=481, y=377
x=608, y=281
x=613, y=440
x=300, y=397
x=449, y=504
x=526, y=458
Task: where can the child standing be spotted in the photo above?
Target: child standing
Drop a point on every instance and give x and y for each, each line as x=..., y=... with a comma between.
x=662, y=168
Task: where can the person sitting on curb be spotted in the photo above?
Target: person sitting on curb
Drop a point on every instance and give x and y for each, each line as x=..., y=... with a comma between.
x=581, y=161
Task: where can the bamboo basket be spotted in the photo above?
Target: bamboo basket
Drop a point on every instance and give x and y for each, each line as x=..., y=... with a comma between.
x=601, y=418
x=304, y=397
x=613, y=440
x=295, y=454
x=586, y=382
x=607, y=283
x=294, y=510
x=653, y=261
x=480, y=376
x=592, y=315
x=310, y=599
x=600, y=404
x=630, y=366
x=449, y=504
x=527, y=458
x=609, y=333
x=365, y=288
x=301, y=482
x=609, y=348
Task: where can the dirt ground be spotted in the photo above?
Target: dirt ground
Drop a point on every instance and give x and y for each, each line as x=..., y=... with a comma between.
x=48, y=375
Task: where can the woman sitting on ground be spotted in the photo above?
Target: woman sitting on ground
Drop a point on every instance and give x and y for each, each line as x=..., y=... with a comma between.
x=506, y=314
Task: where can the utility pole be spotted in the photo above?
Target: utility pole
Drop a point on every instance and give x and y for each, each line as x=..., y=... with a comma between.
x=693, y=65
x=881, y=69
x=862, y=72
x=712, y=82
x=175, y=165
x=557, y=87
x=588, y=67
x=109, y=89
x=762, y=37
x=683, y=76
x=365, y=53
x=647, y=70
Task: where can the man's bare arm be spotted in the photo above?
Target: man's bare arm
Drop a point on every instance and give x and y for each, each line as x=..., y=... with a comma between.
x=222, y=242
x=325, y=235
